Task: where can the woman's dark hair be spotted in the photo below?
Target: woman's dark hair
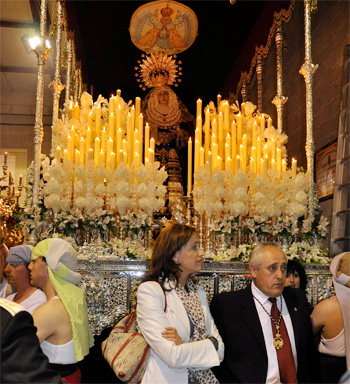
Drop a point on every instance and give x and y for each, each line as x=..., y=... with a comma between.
x=170, y=240
x=295, y=266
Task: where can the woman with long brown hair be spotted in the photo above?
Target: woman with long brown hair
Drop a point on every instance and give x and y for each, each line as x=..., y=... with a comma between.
x=184, y=340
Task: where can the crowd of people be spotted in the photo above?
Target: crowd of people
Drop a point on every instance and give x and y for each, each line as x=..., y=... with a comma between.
x=264, y=333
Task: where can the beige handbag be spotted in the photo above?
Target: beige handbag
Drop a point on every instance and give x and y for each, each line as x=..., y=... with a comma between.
x=126, y=350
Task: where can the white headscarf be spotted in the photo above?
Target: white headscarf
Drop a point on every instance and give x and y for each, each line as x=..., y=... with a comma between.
x=343, y=296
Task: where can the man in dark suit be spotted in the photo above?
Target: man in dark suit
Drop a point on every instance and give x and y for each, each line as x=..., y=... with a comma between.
x=268, y=336
x=22, y=360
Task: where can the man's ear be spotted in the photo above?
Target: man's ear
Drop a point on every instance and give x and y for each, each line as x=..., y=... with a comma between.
x=252, y=271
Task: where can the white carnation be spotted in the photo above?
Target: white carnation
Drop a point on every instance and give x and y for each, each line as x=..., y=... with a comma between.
x=142, y=190
x=301, y=197
x=80, y=202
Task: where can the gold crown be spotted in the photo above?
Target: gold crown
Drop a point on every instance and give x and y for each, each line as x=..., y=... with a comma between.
x=166, y=11
x=156, y=70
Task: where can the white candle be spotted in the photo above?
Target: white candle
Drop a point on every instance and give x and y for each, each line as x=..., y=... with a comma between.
x=189, y=168
x=146, y=140
x=98, y=114
x=76, y=111
x=199, y=108
x=207, y=134
x=294, y=169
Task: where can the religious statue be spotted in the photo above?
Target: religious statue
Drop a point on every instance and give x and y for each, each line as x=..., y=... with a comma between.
x=171, y=125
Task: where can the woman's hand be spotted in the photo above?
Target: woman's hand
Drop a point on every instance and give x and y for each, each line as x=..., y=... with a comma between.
x=172, y=335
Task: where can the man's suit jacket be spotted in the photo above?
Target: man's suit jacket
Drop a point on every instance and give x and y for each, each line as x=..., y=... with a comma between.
x=246, y=359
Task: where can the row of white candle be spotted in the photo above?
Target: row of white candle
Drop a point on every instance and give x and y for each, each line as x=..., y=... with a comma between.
x=106, y=144
x=216, y=153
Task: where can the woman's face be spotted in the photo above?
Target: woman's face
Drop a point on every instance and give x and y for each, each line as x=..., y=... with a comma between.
x=189, y=258
x=292, y=280
x=163, y=97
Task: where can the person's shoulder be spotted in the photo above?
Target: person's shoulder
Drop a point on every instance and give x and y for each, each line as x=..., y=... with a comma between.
x=39, y=294
x=327, y=305
x=10, y=306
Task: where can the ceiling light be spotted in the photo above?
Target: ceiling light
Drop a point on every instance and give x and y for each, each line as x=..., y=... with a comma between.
x=31, y=42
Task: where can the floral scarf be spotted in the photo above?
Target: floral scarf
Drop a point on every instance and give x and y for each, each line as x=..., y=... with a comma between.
x=194, y=310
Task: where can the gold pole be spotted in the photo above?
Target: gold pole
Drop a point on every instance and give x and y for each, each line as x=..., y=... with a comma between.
x=42, y=53
x=70, y=37
x=279, y=100
x=259, y=75
x=56, y=85
x=307, y=70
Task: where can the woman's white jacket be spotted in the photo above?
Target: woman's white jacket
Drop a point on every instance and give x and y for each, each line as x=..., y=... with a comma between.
x=167, y=361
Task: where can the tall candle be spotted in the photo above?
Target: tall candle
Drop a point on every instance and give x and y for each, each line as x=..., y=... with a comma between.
x=97, y=150
x=20, y=180
x=226, y=118
x=238, y=163
x=265, y=151
x=70, y=148
x=269, y=122
x=57, y=154
x=254, y=157
x=111, y=126
x=77, y=157
x=112, y=161
x=262, y=123
x=210, y=161
x=119, y=143
x=196, y=155
x=251, y=165
x=76, y=111
x=103, y=139
x=189, y=168
x=70, y=111
x=258, y=154
x=214, y=128
x=266, y=167
x=228, y=164
x=129, y=138
x=239, y=129
x=218, y=100
x=273, y=164
x=137, y=160
x=121, y=156
x=152, y=144
x=199, y=127
x=111, y=105
x=140, y=129
x=146, y=140
x=65, y=156
x=227, y=151
x=279, y=161
x=244, y=143
x=109, y=151
x=214, y=151
x=294, y=169
x=138, y=109
x=137, y=147
x=207, y=134
x=241, y=156
x=102, y=158
x=219, y=162
x=201, y=157
x=233, y=140
x=119, y=117
x=254, y=134
x=125, y=149
x=221, y=135
x=199, y=108
x=98, y=114
x=5, y=158
x=82, y=150
x=90, y=154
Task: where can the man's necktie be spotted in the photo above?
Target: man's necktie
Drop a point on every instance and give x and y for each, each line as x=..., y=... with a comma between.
x=284, y=353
